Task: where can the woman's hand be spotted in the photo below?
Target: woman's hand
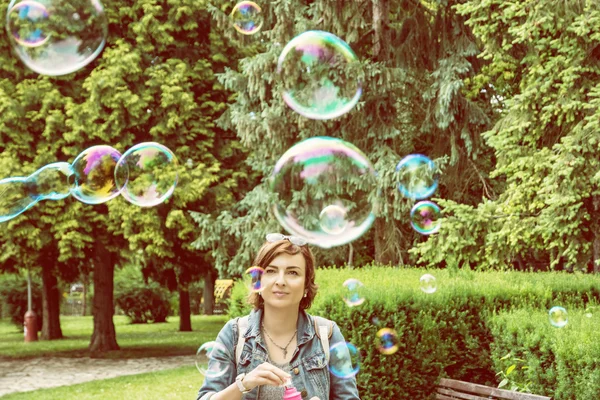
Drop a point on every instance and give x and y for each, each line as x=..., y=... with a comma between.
x=265, y=374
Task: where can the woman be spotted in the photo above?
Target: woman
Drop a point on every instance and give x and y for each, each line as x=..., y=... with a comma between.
x=280, y=345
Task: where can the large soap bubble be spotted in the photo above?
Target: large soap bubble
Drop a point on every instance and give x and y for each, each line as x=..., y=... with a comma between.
x=319, y=75
x=147, y=174
x=94, y=180
x=325, y=191
x=56, y=37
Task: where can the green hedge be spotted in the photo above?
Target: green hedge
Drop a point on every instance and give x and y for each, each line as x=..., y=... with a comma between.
x=13, y=290
x=144, y=304
x=444, y=334
x=560, y=362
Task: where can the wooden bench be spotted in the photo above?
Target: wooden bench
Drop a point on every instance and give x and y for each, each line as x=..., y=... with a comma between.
x=450, y=389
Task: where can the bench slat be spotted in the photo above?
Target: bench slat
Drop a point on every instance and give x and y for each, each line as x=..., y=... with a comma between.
x=454, y=395
x=488, y=391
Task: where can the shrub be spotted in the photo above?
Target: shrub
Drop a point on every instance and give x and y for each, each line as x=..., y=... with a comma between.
x=144, y=304
x=14, y=297
x=557, y=362
x=444, y=334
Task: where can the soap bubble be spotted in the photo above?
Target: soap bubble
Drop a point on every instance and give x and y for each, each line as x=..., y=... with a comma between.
x=417, y=177
x=333, y=219
x=54, y=37
x=254, y=275
x=212, y=359
x=94, y=175
x=424, y=217
x=344, y=360
x=247, y=17
x=147, y=174
x=428, y=283
x=319, y=75
x=19, y=194
x=558, y=316
x=387, y=341
x=324, y=191
x=353, y=295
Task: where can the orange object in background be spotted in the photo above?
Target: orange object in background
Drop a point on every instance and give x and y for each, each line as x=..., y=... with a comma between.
x=30, y=324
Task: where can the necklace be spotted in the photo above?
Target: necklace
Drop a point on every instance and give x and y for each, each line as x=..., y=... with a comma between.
x=284, y=349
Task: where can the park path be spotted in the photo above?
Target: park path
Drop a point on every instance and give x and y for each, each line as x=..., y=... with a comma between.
x=41, y=373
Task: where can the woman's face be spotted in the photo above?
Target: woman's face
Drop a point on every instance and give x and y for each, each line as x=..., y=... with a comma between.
x=283, y=281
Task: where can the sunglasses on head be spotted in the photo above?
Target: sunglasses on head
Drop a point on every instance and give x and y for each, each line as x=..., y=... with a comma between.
x=276, y=237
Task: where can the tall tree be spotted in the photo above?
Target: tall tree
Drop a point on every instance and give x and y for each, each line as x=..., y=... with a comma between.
x=415, y=57
x=544, y=62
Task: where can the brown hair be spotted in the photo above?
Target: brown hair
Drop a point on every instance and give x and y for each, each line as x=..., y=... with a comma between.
x=269, y=251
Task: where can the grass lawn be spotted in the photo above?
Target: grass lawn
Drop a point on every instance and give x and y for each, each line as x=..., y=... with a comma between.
x=142, y=340
x=181, y=383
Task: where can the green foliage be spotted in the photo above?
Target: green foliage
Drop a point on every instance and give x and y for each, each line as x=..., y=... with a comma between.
x=544, y=63
x=13, y=291
x=412, y=102
x=444, y=334
x=557, y=362
x=144, y=304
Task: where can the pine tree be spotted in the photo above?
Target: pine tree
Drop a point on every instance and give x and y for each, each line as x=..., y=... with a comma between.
x=544, y=64
x=414, y=57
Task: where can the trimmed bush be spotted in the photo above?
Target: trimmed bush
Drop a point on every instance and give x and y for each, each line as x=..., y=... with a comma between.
x=444, y=334
x=144, y=304
x=14, y=297
x=558, y=362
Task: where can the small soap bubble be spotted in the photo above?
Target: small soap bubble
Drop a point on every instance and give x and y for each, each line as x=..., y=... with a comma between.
x=53, y=37
x=254, y=275
x=387, y=341
x=344, y=360
x=333, y=219
x=425, y=217
x=247, y=17
x=416, y=176
x=147, y=174
x=375, y=321
x=212, y=360
x=325, y=191
x=353, y=292
x=94, y=175
x=428, y=283
x=319, y=75
x=558, y=316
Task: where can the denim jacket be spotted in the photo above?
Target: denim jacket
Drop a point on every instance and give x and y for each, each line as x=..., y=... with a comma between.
x=310, y=375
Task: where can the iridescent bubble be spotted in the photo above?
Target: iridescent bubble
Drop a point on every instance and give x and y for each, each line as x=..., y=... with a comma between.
x=254, y=275
x=318, y=180
x=417, y=177
x=247, y=17
x=353, y=295
x=344, y=360
x=319, y=73
x=428, y=283
x=425, y=217
x=333, y=219
x=147, y=174
x=212, y=359
x=558, y=316
x=94, y=175
x=19, y=194
x=55, y=37
x=387, y=341
x=25, y=22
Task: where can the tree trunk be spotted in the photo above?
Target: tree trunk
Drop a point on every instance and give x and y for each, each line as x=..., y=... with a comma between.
x=384, y=253
x=596, y=242
x=209, y=292
x=185, y=320
x=50, y=304
x=104, y=337
x=350, y=255
x=381, y=38
x=86, y=282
